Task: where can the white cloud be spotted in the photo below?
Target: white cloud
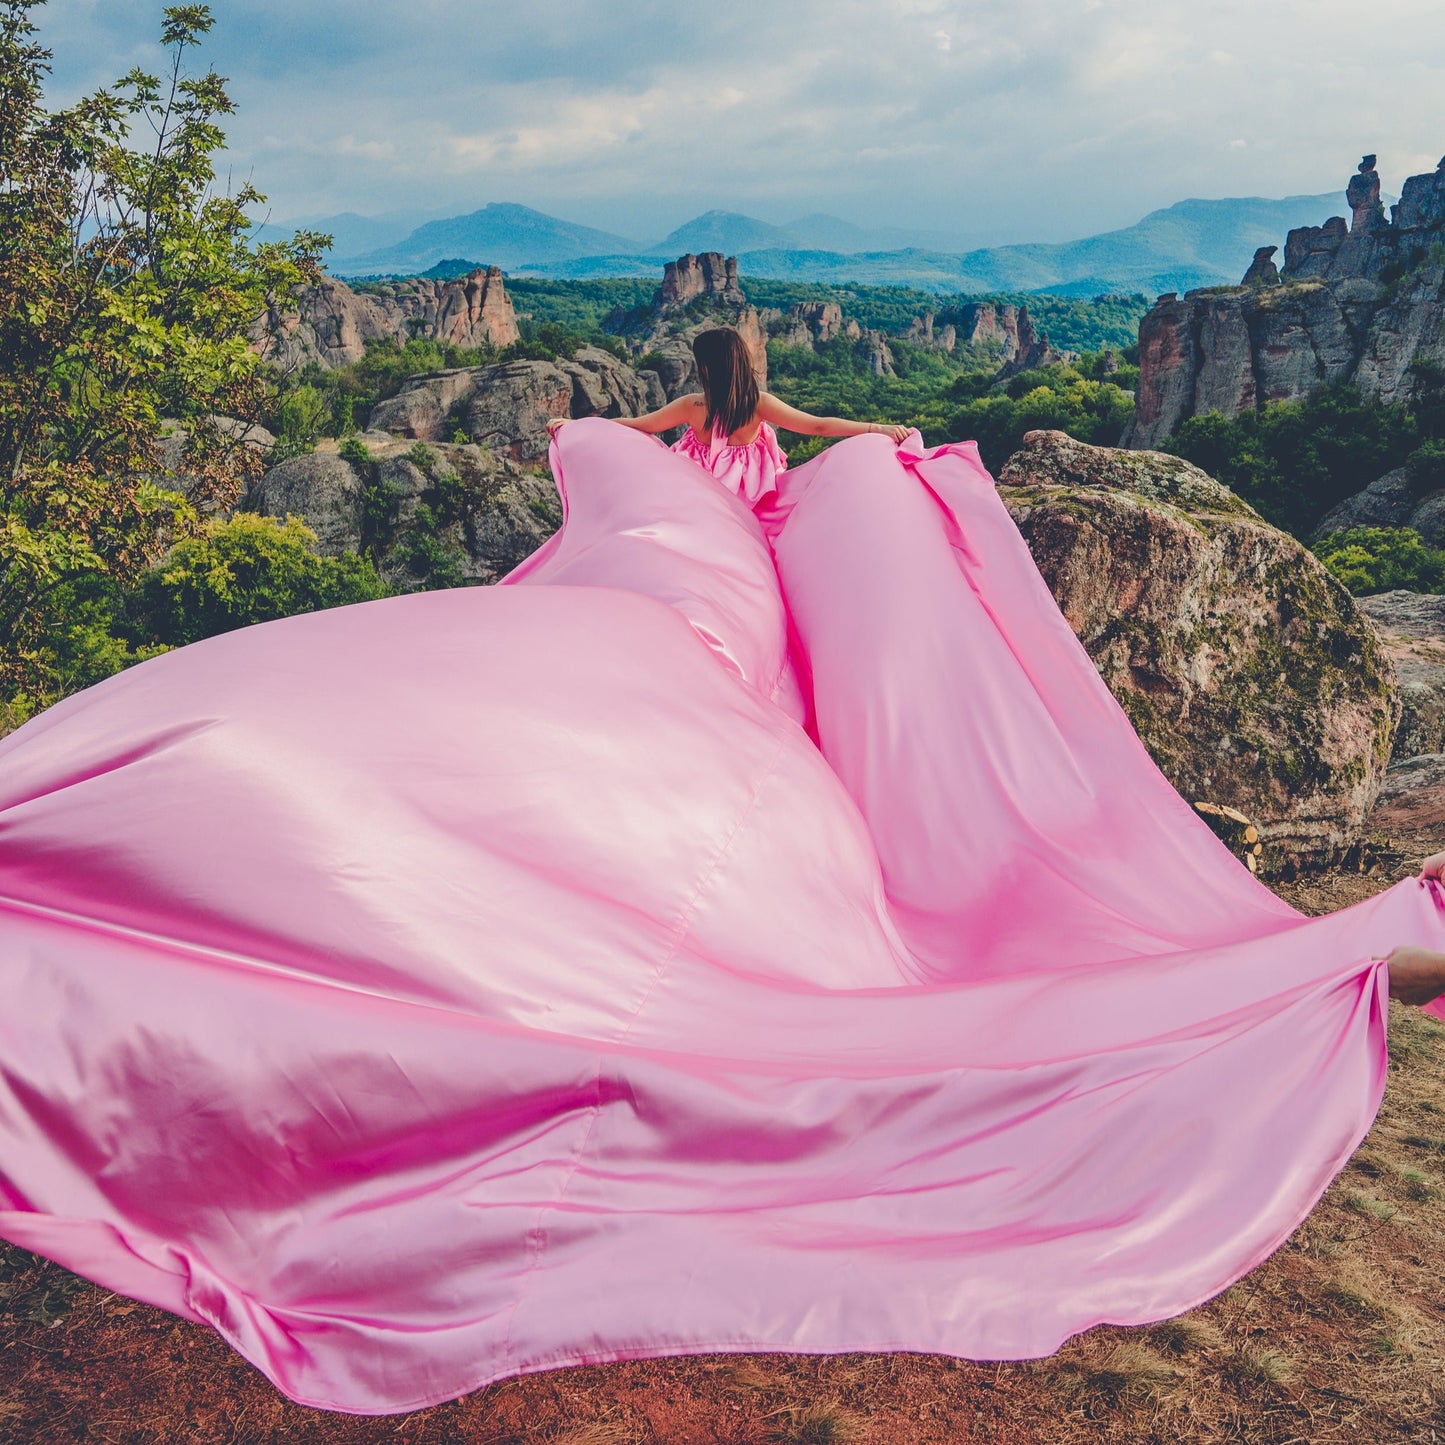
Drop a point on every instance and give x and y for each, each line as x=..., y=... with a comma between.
x=1031, y=117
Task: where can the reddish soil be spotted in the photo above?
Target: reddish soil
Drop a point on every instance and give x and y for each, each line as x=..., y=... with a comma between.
x=1337, y=1337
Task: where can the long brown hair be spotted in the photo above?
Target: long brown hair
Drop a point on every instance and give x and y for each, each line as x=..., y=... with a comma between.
x=725, y=372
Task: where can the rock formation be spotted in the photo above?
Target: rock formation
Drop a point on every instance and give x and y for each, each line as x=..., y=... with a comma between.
x=711, y=277
x=1362, y=195
x=1394, y=500
x=696, y=292
x=506, y=510
x=809, y=323
x=1248, y=670
x=998, y=329
x=1359, y=305
x=320, y=488
x=333, y=323
x=506, y=406
x=1262, y=270
x=1412, y=628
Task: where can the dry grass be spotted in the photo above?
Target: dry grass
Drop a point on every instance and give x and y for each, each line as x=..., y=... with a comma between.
x=1336, y=1338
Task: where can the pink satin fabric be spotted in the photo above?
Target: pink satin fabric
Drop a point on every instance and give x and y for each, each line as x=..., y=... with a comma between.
x=741, y=930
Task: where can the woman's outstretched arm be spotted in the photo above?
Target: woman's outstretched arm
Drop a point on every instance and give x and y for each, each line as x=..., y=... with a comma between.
x=676, y=413
x=789, y=418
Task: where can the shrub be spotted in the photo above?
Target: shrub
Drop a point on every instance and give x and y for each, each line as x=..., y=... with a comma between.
x=248, y=569
x=1380, y=559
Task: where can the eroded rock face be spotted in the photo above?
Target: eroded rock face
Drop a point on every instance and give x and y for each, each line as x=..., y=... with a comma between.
x=1387, y=502
x=711, y=275
x=1359, y=304
x=506, y=406
x=1412, y=797
x=1003, y=328
x=486, y=512
x=1412, y=628
x=333, y=323
x=323, y=491
x=1246, y=668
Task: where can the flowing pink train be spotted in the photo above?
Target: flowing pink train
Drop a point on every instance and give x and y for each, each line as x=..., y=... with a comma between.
x=741, y=930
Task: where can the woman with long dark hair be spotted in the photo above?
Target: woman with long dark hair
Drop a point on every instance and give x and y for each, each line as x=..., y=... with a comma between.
x=731, y=424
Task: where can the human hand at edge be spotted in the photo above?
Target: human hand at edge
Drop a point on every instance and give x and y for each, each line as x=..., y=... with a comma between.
x=895, y=434
x=556, y=423
x=1433, y=867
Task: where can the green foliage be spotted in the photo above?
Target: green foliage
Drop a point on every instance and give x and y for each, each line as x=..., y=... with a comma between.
x=1293, y=461
x=1426, y=467
x=1380, y=559
x=835, y=380
x=302, y=414
x=128, y=292
x=354, y=450
x=1060, y=397
x=550, y=340
x=578, y=306
x=1073, y=323
x=248, y=569
x=428, y=549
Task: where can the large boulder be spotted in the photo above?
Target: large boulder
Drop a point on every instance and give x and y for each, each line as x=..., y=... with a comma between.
x=413, y=508
x=506, y=406
x=1249, y=672
x=1388, y=501
x=323, y=491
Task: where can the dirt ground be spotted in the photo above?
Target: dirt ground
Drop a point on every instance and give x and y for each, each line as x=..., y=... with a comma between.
x=1339, y=1336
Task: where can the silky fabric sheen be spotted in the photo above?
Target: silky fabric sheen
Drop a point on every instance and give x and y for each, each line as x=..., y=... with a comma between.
x=745, y=928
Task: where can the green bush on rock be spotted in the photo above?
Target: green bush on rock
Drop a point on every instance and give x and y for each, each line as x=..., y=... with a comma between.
x=1381, y=559
x=248, y=569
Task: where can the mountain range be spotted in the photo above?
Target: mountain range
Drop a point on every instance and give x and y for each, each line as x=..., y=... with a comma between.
x=1190, y=244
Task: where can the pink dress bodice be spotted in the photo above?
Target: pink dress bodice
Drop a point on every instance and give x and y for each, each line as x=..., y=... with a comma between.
x=750, y=469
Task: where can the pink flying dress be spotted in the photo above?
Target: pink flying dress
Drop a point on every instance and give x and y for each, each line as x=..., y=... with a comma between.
x=746, y=928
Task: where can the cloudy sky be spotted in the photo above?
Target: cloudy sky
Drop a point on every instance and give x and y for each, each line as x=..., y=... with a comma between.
x=983, y=119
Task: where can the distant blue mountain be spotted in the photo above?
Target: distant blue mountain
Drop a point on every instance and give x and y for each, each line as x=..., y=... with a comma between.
x=499, y=234
x=724, y=231
x=350, y=232
x=1190, y=244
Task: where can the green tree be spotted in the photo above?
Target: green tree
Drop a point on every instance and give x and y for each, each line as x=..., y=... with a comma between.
x=248, y=569
x=128, y=292
x=1295, y=460
x=1380, y=559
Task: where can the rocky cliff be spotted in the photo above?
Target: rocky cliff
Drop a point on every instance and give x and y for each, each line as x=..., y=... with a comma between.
x=506, y=406
x=1360, y=302
x=1249, y=672
x=333, y=323
x=711, y=276
x=698, y=292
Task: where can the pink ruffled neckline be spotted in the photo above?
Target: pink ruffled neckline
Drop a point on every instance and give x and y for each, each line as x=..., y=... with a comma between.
x=750, y=469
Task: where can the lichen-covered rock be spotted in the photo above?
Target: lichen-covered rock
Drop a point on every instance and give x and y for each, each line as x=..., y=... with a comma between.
x=1247, y=669
x=415, y=509
x=323, y=491
x=1412, y=627
x=506, y=406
